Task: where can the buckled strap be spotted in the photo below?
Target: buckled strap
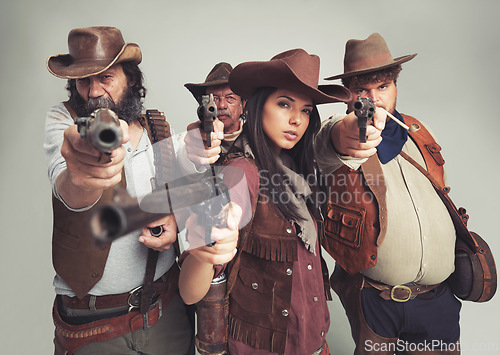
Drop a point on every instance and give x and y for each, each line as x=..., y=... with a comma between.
x=122, y=299
x=399, y=293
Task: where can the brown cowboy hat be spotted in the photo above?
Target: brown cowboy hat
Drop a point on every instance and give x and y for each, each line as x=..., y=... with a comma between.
x=92, y=50
x=365, y=56
x=218, y=76
x=294, y=70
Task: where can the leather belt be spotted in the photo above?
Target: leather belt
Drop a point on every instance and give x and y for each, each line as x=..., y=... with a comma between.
x=132, y=298
x=401, y=293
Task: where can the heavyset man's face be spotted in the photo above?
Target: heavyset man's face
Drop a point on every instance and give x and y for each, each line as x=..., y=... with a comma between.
x=383, y=94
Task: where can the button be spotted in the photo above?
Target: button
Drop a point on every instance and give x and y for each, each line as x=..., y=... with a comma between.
x=255, y=285
x=95, y=274
x=129, y=149
x=289, y=230
x=315, y=299
x=285, y=313
x=322, y=333
x=309, y=267
x=288, y=272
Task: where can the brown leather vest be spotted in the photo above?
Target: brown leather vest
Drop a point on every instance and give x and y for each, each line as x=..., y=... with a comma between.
x=262, y=288
x=356, y=214
x=75, y=256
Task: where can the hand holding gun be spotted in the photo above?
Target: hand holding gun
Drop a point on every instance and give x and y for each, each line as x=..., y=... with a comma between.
x=102, y=130
x=207, y=113
x=364, y=109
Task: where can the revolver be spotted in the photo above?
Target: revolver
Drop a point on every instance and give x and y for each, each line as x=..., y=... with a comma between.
x=102, y=130
x=207, y=113
x=364, y=108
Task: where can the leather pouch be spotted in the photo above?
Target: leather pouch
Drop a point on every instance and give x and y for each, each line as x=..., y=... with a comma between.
x=474, y=278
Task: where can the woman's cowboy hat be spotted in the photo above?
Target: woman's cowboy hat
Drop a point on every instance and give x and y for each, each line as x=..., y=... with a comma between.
x=365, y=56
x=295, y=70
x=218, y=76
x=92, y=50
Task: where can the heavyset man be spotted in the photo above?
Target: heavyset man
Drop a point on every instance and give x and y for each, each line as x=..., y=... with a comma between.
x=98, y=308
x=390, y=234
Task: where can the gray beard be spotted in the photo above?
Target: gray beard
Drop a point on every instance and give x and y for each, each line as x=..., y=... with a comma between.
x=129, y=108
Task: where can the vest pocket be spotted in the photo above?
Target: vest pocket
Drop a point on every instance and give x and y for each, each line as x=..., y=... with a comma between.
x=343, y=224
x=255, y=289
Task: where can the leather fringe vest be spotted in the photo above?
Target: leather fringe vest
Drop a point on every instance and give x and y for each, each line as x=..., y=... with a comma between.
x=261, y=289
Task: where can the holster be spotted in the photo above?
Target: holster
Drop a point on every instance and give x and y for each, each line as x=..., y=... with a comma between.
x=212, y=319
x=69, y=338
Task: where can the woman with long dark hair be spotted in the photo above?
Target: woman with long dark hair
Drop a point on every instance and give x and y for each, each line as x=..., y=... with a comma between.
x=276, y=284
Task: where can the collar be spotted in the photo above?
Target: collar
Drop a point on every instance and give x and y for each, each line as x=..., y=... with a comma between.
x=231, y=137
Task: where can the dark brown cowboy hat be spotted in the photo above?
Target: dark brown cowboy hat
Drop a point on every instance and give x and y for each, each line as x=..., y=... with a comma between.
x=294, y=70
x=92, y=50
x=218, y=76
x=365, y=56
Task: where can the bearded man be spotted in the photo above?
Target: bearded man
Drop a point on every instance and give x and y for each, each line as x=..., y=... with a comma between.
x=99, y=307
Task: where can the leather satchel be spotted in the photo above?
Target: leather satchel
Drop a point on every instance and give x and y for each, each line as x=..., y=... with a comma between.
x=475, y=275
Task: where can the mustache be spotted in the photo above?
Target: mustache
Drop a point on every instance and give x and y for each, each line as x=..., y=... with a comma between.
x=127, y=109
x=224, y=113
x=94, y=103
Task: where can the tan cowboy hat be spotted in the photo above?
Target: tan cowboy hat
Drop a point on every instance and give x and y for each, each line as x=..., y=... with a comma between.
x=294, y=70
x=365, y=56
x=92, y=50
x=218, y=76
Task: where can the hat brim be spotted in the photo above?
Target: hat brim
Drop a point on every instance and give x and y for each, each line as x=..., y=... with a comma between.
x=198, y=90
x=247, y=77
x=394, y=62
x=63, y=66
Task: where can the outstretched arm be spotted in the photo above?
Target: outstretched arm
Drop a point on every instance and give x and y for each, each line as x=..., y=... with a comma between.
x=197, y=269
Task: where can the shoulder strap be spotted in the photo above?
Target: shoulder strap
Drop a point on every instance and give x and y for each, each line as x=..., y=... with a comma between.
x=458, y=216
x=158, y=129
x=430, y=149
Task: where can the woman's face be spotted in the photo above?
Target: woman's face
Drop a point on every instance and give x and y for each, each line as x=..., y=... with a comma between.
x=285, y=118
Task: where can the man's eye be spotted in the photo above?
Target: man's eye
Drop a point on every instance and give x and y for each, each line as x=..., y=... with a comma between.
x=231, y=99
x=83, y=81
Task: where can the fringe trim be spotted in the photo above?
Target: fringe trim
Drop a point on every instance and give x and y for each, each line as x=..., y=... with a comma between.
x=257, y=337
x=272, y=248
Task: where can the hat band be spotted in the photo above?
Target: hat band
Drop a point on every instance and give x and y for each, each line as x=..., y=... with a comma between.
x=368, y=62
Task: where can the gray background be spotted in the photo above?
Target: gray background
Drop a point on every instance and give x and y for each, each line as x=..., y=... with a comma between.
x=452, y=85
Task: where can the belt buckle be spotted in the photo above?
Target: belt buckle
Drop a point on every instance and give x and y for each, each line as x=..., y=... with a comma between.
x=402, y=287
x=134, y=298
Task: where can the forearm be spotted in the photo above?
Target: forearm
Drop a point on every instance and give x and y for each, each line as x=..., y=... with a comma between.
x=195, y=279
x=74, y=196
x=325, y=152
